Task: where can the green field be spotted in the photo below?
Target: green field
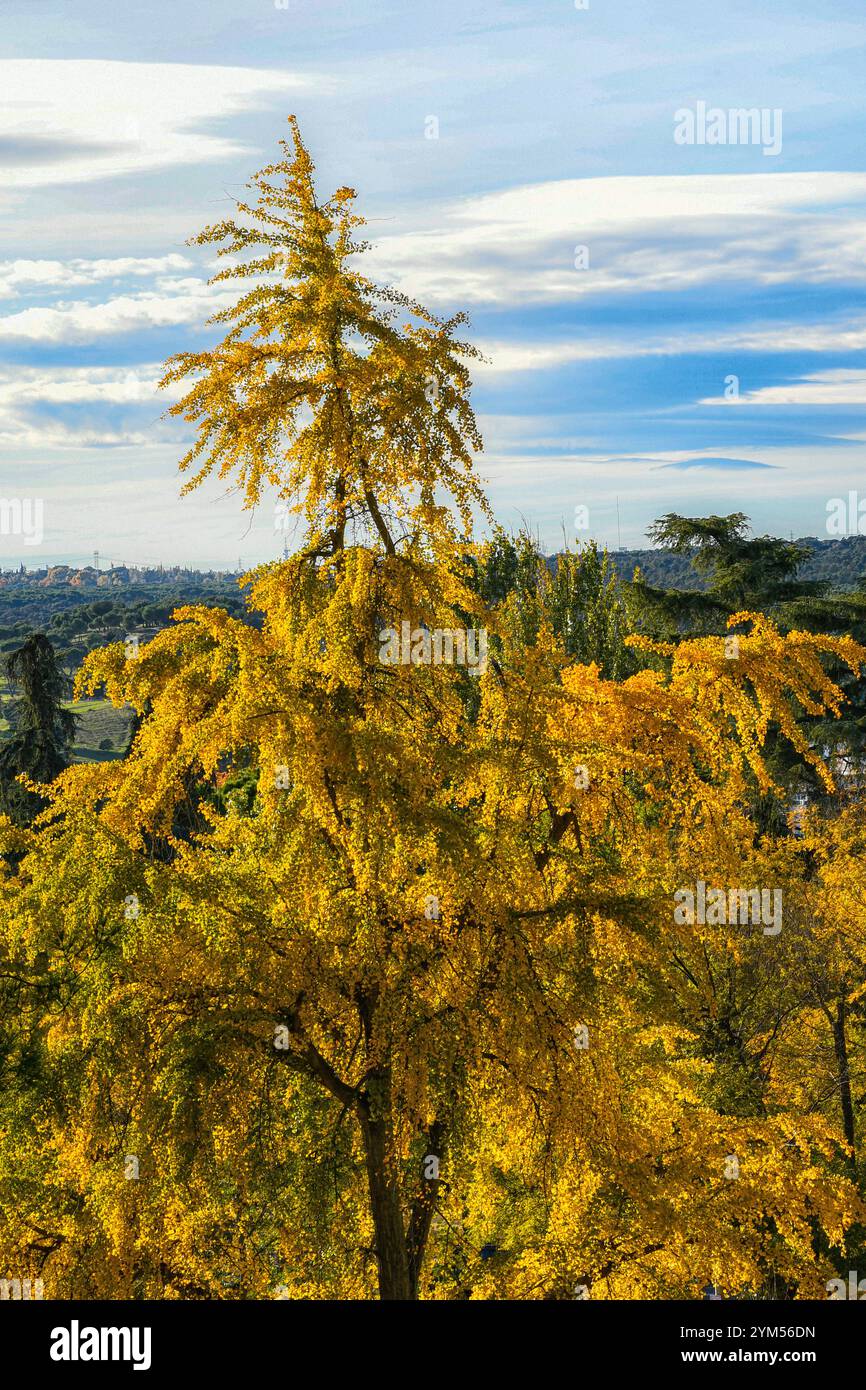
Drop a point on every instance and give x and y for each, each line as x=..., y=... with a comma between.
x=98, y=722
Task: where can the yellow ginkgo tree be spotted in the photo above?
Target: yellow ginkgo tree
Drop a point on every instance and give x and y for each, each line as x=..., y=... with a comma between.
x=399, y=1022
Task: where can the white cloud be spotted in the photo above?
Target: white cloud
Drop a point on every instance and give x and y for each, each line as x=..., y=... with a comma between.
x=506, y=357
x=75, y=385
x=23, y=390
x=181, y=301
x=837, y=387
x=57, y=435
x=42, y=276
x=643, y=233
x=74, y=120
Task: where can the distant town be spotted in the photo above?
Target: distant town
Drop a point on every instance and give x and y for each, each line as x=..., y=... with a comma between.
x=838, y=563
x=91, y=577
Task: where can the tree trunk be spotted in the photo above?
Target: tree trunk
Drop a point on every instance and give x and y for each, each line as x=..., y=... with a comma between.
x=840, y=1046
x=424, y=1205
x=392, y=1251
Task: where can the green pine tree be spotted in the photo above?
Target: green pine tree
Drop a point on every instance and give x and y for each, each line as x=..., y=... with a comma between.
x=42, y=729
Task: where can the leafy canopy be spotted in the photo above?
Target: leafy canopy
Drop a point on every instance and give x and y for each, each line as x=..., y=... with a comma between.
x=339, y=1020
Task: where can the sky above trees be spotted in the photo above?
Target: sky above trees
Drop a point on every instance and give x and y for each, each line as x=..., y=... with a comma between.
x=517, y=160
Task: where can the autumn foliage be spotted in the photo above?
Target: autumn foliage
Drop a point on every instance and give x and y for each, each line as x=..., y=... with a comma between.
x=361, y=979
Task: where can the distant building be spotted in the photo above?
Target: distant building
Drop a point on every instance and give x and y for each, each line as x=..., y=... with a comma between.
x=85, y=577
x=114, y=577
x=57, y=574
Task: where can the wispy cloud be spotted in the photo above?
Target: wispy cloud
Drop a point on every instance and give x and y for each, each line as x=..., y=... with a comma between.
x=73, y=385
x=835, y=387
x=54, y=407
x=503, y=358
x=33, y=276
x=709, y=461
x=572, y=238
x=606, y=363
x=74, y=120
x=183, y=301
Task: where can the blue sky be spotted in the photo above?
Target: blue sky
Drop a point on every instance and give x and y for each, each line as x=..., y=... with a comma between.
x=123, y=130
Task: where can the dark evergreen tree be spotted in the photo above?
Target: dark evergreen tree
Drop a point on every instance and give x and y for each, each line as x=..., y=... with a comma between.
x=42, y=729
x=739, y=572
